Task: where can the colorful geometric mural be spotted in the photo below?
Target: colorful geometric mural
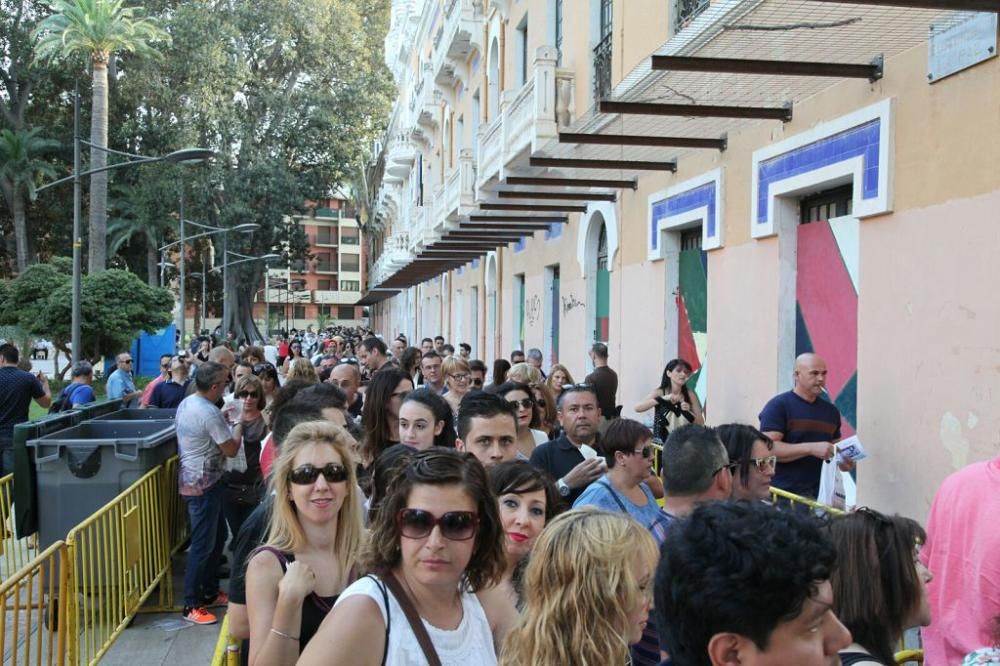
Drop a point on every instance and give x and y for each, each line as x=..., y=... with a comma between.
x=692, y=317
x=827, y=307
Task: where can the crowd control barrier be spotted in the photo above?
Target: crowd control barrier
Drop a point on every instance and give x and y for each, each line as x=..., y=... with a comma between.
x=910, y=657
x=33, y=630
x=15, y=551
x=68, y=604
x=227, y=648
x=782, y=498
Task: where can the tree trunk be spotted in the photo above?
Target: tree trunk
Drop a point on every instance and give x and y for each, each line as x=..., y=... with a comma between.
x=98, y=244
x=241, y=314
x=152, y=269
x=20, y=231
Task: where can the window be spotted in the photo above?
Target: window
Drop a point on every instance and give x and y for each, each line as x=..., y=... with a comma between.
x=324, y=311
x=345, y=312
x=326, y=236
x=606, y=18
x=827, y=205
x=685, y=11
x=602, y=54
x=350, y=285
x=522, y=52
x=350, y=262
x=323, y=285
x=691, y=239
x=459, y=135
x=350, y=236
x=477, y=114
x=323, y=262
x=299, y=312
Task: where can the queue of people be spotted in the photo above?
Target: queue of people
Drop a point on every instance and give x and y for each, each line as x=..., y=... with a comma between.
x=382, y=512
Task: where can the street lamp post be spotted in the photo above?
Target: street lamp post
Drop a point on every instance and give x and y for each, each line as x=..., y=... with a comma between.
x=225, y=281
x=183, y=156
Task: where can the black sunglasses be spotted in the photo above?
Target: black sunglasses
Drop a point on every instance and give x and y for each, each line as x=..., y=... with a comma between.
x=567, y=388
x=307, y=474
x=455, y=525
x=523, y=403
x=261, y=367
x=247, y=394
x=645, y=452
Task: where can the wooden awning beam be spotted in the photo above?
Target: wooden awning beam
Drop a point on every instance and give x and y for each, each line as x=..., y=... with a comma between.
x=533, y=219
x=626, y=165
x=542, y=181
x=871, y=71
x=783, y=113
x=541, y=208
x=636, y=140
x=944, y=5
x=580, y=196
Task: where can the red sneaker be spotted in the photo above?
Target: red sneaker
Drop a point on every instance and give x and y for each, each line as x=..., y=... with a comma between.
x=221, y=599
x=199, y=616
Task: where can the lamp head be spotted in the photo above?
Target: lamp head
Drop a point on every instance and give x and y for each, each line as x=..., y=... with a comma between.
x=246, y=227
x=190, y=156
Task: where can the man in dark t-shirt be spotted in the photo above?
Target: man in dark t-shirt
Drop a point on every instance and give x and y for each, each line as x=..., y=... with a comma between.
x=805, y=428
x=17, y=389
x=604, y=380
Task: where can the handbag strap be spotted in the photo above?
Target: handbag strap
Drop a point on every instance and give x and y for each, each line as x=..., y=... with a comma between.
x=615, y=496
x=416, y=624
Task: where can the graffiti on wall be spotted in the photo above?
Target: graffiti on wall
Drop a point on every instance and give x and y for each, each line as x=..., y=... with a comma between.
x=570, y=303
x=533, y=310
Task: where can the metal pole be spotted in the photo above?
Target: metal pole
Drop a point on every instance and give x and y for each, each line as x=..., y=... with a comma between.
x=204, y=279
x=225, y=284
x=75, y=341
x=183, y=308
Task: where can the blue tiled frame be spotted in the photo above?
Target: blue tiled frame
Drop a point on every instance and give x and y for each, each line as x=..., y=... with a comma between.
x=855, y=148
x=697, y=199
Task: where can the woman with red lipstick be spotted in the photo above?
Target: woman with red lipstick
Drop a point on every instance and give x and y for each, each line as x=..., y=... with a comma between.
x=587, y=591
x=312, y=546
x=435, y=544
x=528, y=500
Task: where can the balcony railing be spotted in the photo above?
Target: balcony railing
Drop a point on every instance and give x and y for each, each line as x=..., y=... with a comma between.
x=602, y=69
x=685, y=11
x=490, y=149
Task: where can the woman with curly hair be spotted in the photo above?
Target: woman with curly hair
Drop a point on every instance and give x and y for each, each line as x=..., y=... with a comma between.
x=435, y=544
x=303, y=370
x=312, y=545
x=587, y=592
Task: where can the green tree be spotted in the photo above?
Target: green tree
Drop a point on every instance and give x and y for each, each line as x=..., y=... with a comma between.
x=20, y=168
x=97, y=29
x=116, y=306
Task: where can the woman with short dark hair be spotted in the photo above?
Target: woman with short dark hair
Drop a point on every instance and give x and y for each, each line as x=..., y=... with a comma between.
x=752, y=453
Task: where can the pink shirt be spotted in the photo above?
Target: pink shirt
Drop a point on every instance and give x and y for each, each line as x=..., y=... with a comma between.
x=266, y=456
x=963, y=553
x=147, y=394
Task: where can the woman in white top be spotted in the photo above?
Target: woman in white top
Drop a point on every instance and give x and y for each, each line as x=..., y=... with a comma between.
x=528, y=416
x=437, y=533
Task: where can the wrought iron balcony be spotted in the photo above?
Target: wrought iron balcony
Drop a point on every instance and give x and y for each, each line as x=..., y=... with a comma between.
x=685, y=11
x=602, y=68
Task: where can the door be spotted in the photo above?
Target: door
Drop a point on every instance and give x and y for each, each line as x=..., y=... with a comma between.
x=692, y=308
x=826, y=317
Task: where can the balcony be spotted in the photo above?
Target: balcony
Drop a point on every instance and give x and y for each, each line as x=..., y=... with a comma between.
x=460, y=33
x=430, y=101
x=685, y=11
x=321, y=297
x=602, y=69
x=528, y=119
x=460, y=187
x=287, y=296
x=402, y=154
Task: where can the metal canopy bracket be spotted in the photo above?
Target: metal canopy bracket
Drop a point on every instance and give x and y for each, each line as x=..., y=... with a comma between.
x=872, y=71
x=944, y=5
x=635, y=140
x=581, y=196
x=558, y=162
x=572, y=182
x=783, y=113
x=541, y=208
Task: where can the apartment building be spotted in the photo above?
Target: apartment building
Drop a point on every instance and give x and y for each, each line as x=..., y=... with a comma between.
x=324, y=289
x=729, y=181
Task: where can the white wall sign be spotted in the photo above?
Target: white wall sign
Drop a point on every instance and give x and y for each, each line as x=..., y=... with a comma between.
x=962, y=45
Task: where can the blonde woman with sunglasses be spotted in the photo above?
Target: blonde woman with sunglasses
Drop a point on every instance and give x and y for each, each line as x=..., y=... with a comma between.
x=312, y=546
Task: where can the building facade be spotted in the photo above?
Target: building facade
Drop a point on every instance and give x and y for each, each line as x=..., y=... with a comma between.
x=733, y=182
x=324, y=289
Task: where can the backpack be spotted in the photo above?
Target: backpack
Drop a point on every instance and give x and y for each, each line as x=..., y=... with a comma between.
x=63, y=402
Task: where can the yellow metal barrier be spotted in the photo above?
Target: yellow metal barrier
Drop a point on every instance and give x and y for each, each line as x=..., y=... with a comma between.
x=227, y=648
x=34, y=630
x=781, y=497
x=15, y=552
x=910, y=657
x=657, y=458
x=173, y=504
x=118, y=557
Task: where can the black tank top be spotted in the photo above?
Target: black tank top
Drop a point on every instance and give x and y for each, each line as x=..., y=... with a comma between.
x=314, y=607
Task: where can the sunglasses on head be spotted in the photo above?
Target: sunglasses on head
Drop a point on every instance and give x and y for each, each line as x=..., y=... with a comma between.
x=261, y=367
x=455, y=525
x=523, y=403
x=348, y=360
x=306, y=474
x=567, y=388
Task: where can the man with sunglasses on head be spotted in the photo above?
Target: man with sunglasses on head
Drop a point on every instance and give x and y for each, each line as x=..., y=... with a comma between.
x=120, y=384
x=204, y=441
x=695, y=469
x=572, y=459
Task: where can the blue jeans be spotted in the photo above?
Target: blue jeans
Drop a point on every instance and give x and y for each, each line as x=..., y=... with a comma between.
x=208, y=537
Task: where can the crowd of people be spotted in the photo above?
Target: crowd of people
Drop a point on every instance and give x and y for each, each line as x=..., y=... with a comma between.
x=394, y=504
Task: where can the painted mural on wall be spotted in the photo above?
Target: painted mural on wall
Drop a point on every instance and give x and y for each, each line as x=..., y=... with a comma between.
x=692, y=317
x=827, y=307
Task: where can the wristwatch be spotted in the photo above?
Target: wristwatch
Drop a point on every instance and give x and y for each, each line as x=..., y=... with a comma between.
x=564, y=490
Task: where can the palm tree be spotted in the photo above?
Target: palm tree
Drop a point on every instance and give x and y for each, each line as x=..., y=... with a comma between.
x=127, y=224
x=97, y=29
x=19, y=168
